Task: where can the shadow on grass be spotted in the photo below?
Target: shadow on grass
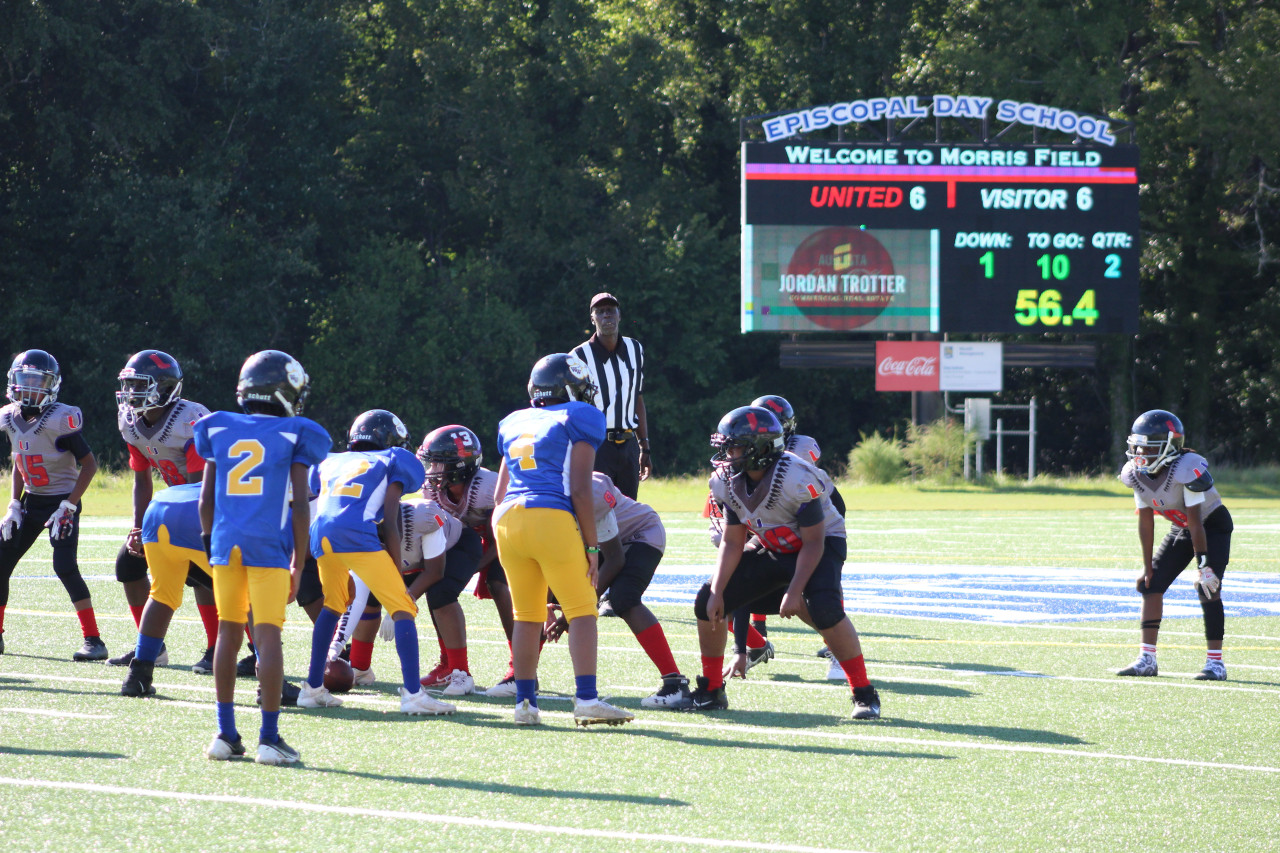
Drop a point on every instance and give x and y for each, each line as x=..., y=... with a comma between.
x=789, y=749
x=1008, y=734
x=944, y=667
x=905, y=688
x=60, y=753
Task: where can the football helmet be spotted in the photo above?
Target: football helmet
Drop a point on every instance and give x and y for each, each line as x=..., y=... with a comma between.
x=34, y=380
x=1155, y=439
x=756, y=431
x=780, y=407
x=151, y=379
x=379, y=428
x=272, y=382
x=559, y=378
x=451, y=455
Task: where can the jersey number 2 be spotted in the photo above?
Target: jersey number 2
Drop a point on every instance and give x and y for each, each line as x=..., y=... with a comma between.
x=240, y=480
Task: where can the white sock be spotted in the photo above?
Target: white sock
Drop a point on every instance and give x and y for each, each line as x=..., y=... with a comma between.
x=1149, y=649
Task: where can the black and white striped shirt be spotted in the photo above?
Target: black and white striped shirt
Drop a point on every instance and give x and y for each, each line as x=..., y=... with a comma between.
x=620, y=377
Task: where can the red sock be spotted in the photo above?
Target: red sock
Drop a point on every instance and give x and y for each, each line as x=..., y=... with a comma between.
x=457, y=659
x=713, y=669
x=136, y=610
x=1, y=620
x=755, y=640
x=654, y=642
x=209, y=616
x=88, y=622
x=248, y=633
x=855, y=669
x=759, y=617
x=361, y=654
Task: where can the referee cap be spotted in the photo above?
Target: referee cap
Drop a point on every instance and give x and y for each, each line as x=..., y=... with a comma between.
x=603, y=299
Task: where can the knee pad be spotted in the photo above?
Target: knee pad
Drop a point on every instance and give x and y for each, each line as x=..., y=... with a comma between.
x=1214, y=618
x=700, y=603
x=825, y=610
x=130, y=567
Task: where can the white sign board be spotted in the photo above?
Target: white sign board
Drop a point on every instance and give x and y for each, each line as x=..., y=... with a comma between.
x=971, y=367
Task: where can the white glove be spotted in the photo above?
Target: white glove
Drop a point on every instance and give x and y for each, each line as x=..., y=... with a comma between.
x=12, y=520
x=1208, y=582
x=62, y=520
x=387, y=630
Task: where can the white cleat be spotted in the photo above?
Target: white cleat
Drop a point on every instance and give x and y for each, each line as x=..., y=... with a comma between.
x=276, y=753
x=1144, y=666
x=363, y=677
x=527, y=714
x=317, y=697
x=422, y=704
x=588, y=712
x=504, y=689
x=460, y=684
x=221, y=749
x=835, y=672
x=1214, y=670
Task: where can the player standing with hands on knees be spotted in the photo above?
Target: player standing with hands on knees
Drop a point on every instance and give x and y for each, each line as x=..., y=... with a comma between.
x=1174, y=481
x=545, y=529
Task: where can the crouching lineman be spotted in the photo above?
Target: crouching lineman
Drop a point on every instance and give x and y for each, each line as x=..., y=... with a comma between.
x=357, y=491
x=1174, y=481
x=782, y=500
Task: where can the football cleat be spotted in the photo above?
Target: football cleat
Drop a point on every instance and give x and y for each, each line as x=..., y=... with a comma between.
x=605, y=607
x=1, y=642
x=506, y=688
x=93, y=649
x=276, y=753
x=1144, y=666
x=1214, y=670
x=835, y=672
x=673, y=695
x=437, y=677
x=317, y=697
x=866, y=703
x=125, y=659
x=709, y=700
x=823, y=652
x=288, y=695
x=223, y=748
x=460, y=684
x=764, y=654
x=589, y=712
x=363, y=677
x=527, y=714
x=423, y=703
x=138, y=681
x=247, y=666
x=204, y=666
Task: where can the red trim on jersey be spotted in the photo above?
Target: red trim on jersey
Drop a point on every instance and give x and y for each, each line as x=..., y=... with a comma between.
x=195, y=462
x=813, y=493
x=137, y=462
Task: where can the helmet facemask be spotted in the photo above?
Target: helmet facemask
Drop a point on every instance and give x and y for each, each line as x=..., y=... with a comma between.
x=1151, y=453
x=32, y=388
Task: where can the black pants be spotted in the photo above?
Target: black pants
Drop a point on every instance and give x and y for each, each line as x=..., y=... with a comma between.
x=762, y=578
x=37, y=510
x=1175, y=552
x=621, y=462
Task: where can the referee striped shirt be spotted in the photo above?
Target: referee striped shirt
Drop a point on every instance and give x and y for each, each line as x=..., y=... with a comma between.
x=620, y=377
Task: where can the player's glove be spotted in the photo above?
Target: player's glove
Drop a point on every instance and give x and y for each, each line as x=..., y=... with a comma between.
x=387, y=630
x=1209, y=583
x=62, y=521
x=12, y=520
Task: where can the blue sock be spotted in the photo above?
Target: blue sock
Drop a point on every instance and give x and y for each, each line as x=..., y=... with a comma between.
x=148, y=648
x=527, y=688
x=407, y=649
x=227, y=720
x=321, y=637
x=270, y=731
x=586, y=685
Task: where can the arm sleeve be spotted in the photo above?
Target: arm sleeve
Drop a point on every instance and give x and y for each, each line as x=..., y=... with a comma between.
x=810, y=514
x=73, y=443
x=730, y=517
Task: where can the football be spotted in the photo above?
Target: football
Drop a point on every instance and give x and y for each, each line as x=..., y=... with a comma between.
x=338, y=676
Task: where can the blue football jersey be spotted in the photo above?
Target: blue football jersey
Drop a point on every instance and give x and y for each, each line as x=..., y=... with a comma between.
x=536, y=443
x=352, y=487
x=178, y=509
x=253, y=455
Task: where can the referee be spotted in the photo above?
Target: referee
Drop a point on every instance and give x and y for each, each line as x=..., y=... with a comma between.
x=617, y=368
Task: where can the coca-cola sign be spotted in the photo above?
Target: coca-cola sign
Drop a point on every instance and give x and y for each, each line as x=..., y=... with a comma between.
x=906, y=365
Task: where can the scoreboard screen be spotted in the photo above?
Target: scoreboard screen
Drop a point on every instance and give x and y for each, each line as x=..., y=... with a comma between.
x=909, y=237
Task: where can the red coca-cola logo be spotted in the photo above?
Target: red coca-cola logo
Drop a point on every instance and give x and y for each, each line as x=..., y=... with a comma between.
x=907, y=365
x=918, y=366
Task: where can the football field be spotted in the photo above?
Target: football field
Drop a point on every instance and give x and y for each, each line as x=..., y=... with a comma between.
x=992, y=637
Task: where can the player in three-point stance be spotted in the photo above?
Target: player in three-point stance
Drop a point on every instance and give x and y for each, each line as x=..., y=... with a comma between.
x=52, y=468
x=783, y=501
x=1174, y=481
x=256, y=467
x=545, y=529
x=157, y=424
x=359, y=491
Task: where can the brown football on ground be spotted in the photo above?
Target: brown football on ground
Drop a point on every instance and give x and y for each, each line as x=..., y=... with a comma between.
x=338, y=676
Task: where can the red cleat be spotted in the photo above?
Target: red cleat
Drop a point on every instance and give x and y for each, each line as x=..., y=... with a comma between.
x=437, y=677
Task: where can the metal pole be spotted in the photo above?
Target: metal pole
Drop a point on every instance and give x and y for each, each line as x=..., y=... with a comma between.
x=999, y=445
x=966, y=462
x=977, y=453
x=1031, y=443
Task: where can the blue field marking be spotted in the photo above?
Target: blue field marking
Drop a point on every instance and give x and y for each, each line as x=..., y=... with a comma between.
x=1002, y=594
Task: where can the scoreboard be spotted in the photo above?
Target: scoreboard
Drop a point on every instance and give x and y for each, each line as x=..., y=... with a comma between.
x=911, y=237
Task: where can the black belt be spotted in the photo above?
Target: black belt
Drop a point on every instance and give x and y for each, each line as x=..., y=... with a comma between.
x=619, y=436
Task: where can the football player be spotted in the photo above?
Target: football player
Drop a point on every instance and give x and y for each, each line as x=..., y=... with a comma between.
x=52, y=468
x=783, y=501
x=452, y=456
x=545, y=529
x=157, y=426
x=256, y=467
x=357, y=491
x=632, y=540
x=1173, y=481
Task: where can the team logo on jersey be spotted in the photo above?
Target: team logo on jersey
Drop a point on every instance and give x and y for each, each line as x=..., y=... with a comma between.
x=609, y=500
x=74, y=420
x=24, y=446
x=813, y=492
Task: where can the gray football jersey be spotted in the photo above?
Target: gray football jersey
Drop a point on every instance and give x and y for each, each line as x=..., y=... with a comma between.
x=714, y=510
x=805, y=447
x=635, y=521
x=46, y=468
x=163, y=445
x=770, y=510
x=476, y=506
x=1168, y=492
x=422, y=518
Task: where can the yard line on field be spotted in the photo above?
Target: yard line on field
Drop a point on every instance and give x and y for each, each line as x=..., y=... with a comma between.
x=420, y=817
x=40, y=712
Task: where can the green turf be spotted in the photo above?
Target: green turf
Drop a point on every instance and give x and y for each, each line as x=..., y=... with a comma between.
x=994, y=737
